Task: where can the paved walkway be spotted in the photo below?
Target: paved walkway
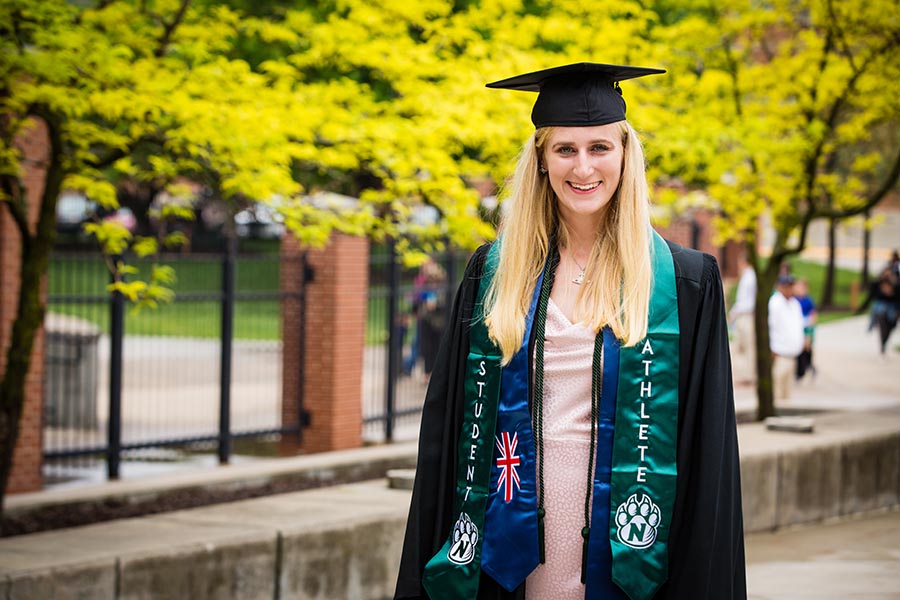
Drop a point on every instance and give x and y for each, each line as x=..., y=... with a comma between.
x=853, y=559
x=851, y=375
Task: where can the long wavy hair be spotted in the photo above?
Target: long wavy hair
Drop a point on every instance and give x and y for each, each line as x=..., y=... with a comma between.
x=618, y=274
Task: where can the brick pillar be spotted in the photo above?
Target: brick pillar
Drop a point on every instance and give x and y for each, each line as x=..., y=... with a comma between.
x=336, y=305
x=681, y=231
x=290, y=275
x=27, y=458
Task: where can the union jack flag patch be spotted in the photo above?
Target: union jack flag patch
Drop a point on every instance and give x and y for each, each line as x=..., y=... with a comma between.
x=507, y=462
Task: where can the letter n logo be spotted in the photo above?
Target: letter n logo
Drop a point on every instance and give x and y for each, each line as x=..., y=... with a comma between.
x=636, y=534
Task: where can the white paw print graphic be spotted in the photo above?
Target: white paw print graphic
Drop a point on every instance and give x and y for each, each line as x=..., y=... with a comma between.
x=637, y=521
x=465, y=537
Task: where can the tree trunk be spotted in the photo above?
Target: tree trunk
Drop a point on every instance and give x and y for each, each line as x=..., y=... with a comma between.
x=867, y=247
x=29, y=316
x=764, y=390
x=827, y=300
x=36, y=251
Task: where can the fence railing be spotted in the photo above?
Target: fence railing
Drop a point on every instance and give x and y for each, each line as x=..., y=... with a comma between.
x=200, y=372
x=192, y=377
x=408, y=309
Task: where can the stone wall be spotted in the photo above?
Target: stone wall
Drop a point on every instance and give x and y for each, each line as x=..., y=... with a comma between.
x=344, y=542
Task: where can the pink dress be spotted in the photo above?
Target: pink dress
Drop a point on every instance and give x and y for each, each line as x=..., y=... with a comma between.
x=568, y=351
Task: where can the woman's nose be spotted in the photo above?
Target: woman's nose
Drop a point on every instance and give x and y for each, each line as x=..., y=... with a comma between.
x=583, y=166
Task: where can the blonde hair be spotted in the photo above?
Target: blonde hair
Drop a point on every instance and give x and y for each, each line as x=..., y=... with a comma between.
x=618, y=274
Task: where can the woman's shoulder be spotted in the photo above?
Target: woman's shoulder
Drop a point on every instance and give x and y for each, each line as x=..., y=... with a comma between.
x=694, y=265
x=475, y=265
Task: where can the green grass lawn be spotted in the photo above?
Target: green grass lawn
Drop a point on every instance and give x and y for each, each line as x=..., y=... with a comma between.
x=814, y=274
x=259, y=319
x=845, y=280
x=87, y=277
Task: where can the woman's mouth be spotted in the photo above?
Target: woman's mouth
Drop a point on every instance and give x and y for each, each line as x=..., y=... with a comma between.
x=584, y=187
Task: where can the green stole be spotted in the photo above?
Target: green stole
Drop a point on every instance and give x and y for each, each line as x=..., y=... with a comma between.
x=455, y=570
x=642, y=484
x=644, y=445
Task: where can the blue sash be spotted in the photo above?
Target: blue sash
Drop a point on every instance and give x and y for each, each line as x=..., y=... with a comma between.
x=510, y=549
x=599, y=582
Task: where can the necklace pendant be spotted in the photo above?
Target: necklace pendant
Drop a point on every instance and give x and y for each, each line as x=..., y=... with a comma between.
x=580, y=279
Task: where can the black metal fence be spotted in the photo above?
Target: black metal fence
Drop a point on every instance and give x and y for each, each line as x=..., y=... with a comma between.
x=184, y=381
x=408, y=309
x=175, y=383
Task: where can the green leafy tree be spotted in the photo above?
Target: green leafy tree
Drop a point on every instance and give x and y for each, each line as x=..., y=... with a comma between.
x=773, y=108
x=270, y=103
x=141, y=91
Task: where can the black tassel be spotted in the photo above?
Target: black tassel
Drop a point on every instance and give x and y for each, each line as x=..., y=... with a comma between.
x=586, y=534
x=541, y=535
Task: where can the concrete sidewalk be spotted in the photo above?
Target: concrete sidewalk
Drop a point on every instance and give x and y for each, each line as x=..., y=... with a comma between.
x=851, y=375
x=343, y=541
x=852, y=559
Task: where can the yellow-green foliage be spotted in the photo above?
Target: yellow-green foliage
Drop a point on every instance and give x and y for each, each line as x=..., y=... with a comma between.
x=774, y=109
x=386, y=101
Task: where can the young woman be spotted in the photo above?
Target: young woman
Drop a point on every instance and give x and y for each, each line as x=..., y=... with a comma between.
x=578, y=437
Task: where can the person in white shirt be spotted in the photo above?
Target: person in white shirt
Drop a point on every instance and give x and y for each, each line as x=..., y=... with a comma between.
x=743, y=345
x=786, y=336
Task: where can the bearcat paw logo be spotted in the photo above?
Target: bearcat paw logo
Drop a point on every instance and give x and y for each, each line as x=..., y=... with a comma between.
x=637, y=521
x=465, y=536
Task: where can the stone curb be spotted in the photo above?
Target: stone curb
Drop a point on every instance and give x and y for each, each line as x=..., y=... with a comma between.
x=41, y=511
x=344, y=541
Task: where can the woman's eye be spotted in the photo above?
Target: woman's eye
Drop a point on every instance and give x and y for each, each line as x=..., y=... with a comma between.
x=566, y=150
x=599, y=148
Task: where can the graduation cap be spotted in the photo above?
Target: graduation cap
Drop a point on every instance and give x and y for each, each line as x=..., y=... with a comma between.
x=576, y=95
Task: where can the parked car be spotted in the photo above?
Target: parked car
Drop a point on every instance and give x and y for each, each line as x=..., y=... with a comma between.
x=259, y=221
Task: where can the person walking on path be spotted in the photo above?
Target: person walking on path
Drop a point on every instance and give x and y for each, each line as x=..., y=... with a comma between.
x=578, y=437
x=884, y=296
x=785, y=336
x=431, y=315
x=810, y=316
x=743, y=343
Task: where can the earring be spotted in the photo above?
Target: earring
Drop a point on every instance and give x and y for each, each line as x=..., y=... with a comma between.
x=542, y=169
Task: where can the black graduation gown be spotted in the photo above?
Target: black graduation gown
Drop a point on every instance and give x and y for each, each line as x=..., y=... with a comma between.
x=706, y=540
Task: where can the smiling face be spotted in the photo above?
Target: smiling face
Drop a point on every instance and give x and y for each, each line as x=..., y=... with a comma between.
x=584, y=165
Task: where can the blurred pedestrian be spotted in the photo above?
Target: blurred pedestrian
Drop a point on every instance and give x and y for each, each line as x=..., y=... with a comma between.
x=884, y=296
x=416, y=299
x=785, y=336
x=810, y=316
x=431, y=314
x=741, y=317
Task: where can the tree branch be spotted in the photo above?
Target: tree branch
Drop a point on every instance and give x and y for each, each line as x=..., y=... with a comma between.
x=170, y=29
x=833, y=27
x=874, y=198
x=812, y=162
x=111, y=157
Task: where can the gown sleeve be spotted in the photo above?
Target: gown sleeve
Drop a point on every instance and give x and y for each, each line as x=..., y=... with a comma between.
x=706, y=552
x=431, y=508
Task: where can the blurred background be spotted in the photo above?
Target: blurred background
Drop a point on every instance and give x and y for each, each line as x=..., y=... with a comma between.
x=200, y=197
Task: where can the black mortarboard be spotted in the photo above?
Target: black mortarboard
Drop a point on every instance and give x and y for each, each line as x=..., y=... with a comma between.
x=577, y=95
